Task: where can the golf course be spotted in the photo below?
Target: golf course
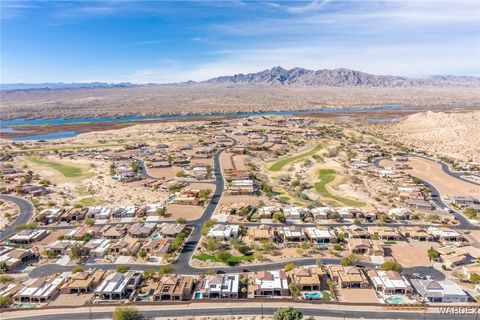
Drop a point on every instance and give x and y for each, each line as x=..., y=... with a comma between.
x=326, y=177
x=278, y=165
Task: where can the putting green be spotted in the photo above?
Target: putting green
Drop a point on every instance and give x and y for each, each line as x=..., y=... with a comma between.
x=277, y=166
x=327, y=176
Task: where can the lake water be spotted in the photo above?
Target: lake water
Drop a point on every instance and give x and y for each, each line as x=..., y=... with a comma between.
x=6, y=125
x=50, y=136
x=40, y=122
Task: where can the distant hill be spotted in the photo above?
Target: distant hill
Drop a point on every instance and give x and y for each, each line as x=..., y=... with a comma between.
x=339, y=77
x=60, y=85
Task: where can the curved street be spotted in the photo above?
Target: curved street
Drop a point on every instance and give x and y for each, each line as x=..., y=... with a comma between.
x=25, y=209
x=463, y=222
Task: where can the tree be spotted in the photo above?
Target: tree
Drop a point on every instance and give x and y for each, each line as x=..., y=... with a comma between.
x=122, y=268
x=357, y=222
x=3, y=266
x=166, y=269
x=134, y=165
x=213, y=244
x=77, y=269
x=89, y=222
x=278, y=216
x=5, y=302
x=180, y=174
x=126, y=313
x=266, y=245
x=475, y=278
x=350, y=260
x=289, y=266
x=181, y=220
x=294, y=290
x=76, y=251
x=4, y=278
x=161, y=211
x=470, y=213
x=391, y=265
x=204, y=193
x=149, y=274
x=142, y=254
x=289, y=313
x=433, y=254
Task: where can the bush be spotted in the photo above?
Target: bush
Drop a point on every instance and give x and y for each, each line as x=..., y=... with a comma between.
x=126, y=313
x=181, y=220
x=289, y=266
x=122, y=268
x=289, y=313
x=166, y=269
x=475, y=278
x=5, y=278
x=77, y=269
x=5, y=302
x=391, y=265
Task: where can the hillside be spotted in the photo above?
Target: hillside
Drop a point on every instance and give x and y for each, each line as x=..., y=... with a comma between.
x=339, y=77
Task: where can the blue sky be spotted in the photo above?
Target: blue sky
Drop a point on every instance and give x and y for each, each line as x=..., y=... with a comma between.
x=115, y=41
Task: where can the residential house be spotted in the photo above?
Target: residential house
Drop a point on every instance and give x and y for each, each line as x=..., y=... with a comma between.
x=83, y=282
x=174, y=287
x=220, y=286
x=291, y=234
x=365, y=246
x=415, y=233
x=15, y=257
x=142, y=230
x=28, y=236
x=439, y=291
x=224, y=232
x=40, y=291
x=389, y=282
x=347, y=276
x=308, y=278
x=318, y=235
x=385, y=233
x=118, y=286
x=445, y=235
x=269, y=284
x=261, y=233
x=156, y=246
x=294, y=213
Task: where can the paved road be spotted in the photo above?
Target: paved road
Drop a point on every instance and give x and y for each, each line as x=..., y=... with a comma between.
x=463, y=222
x=237, y=309
x=143, y=169
x=446, y=168
x=25, y=213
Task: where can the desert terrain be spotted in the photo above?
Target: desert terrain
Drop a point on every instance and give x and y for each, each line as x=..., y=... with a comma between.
x=154, y=100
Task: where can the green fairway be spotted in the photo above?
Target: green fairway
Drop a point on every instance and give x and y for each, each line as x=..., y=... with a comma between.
x=65, y=170
x=277, y=166
x=326, y=176
x=232, y=260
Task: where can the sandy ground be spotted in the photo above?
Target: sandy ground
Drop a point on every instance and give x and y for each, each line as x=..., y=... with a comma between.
x=8, y=213
x=432, y=172
x=179, y=211
x=166, y=173
x=71, y=300
x=356, y=295
x=226, y=199
x=454, y=135
x=411, y=254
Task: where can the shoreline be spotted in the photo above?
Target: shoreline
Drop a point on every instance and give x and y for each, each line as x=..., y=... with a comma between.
x=386, y=113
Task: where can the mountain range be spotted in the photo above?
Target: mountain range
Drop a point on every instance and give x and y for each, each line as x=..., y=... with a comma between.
x=61, y=85
x=339, y=77
x=278, y=76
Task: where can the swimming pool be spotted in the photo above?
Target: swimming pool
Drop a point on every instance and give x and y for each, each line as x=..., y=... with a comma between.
x=394, y=300
x=156, y=236
x=313, y=296
x=197, y=295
